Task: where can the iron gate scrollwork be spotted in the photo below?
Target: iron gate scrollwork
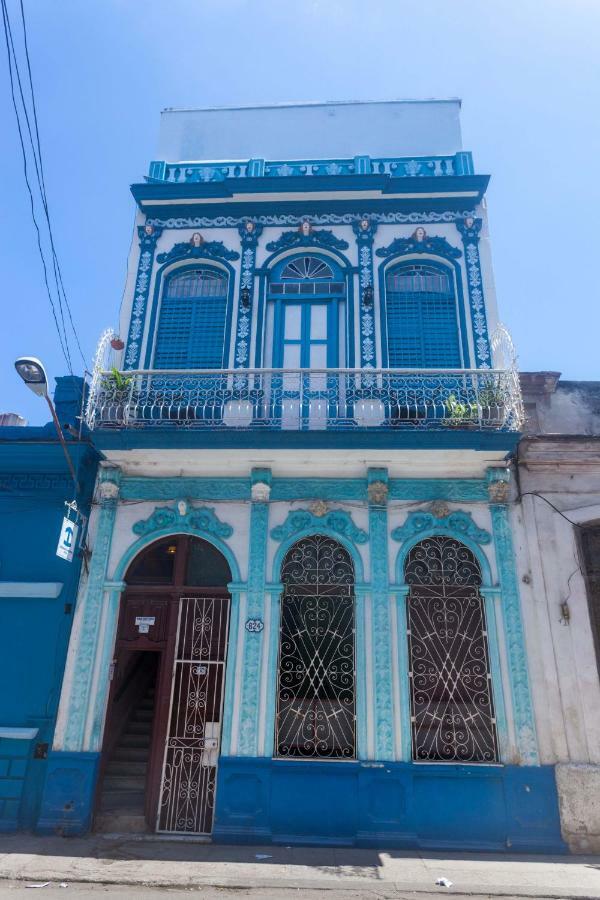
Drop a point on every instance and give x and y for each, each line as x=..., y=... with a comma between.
x=316, y=704
x=452, y=711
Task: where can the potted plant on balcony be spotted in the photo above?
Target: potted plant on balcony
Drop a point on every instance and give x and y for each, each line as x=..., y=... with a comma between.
x=461, y=414
x=492, y=400
x=115, y=396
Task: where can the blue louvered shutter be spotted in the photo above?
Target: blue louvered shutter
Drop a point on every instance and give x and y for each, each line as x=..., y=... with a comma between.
x=422, y=329
x=191, y=325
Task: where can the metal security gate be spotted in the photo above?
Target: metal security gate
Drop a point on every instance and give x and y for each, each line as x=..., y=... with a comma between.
x=187, y=789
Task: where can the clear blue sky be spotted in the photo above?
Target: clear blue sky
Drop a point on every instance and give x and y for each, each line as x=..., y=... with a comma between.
x=528, y=72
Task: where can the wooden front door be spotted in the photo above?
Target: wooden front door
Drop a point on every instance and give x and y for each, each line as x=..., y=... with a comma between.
x=181, y=583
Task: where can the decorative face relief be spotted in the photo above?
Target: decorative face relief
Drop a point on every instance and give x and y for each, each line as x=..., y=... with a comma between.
x=196, y=239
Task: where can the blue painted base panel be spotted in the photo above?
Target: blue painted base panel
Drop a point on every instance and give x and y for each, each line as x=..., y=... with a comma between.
x=69, y=790
x=411, y=806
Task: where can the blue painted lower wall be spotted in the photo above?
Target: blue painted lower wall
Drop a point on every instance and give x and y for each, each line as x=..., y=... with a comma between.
x=68, y=799
x=406, y=805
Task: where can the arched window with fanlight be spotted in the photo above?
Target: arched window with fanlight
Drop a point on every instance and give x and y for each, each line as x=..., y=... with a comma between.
x=304, y=326
x=191, y=332
x=452, y=706
x=421, y=317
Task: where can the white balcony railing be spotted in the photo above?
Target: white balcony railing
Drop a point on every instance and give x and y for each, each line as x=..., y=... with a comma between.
x=302, y=399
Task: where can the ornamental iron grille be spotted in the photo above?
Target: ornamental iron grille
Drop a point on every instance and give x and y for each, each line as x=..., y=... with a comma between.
x=187, y=790
x=316, y=715
x=452, y=710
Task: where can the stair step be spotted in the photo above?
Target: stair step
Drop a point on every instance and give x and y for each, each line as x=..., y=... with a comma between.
x=132, y=801
x=126, y=767
x=130, y=754
x=146, y=703
x=129, y=739
x=123, y=783
x=143, y=715
x=134, y=726
x=120, y=822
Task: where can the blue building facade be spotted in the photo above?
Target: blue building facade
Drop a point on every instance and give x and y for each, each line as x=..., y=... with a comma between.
x=302, y=620
x=38, y=591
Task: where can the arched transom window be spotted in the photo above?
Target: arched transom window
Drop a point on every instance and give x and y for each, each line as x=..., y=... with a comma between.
x=452, y=710
x=191, y=324
x=307, y=275
x=316, y=681
x=422, y=325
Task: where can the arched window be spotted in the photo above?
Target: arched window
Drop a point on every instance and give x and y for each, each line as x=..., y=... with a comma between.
x=191, y=325
x=452, y=709
x=422, y=326
x=316, y=683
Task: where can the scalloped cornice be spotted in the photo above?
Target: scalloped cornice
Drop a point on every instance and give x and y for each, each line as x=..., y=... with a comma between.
x=298, y=238
x=200, y=518
x=458, y=523
x=419, y=242
x=337, y=521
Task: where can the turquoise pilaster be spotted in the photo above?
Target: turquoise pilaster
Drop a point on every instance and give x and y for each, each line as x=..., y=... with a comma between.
x=380, y=615
x=91, y=613
x=513, y=623
x=148, y=236
x=254, y=625
x=469, y=229
x=250, y=232
x=365, y=229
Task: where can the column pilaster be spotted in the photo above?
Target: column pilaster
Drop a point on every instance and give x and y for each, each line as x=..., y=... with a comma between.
x=365, y=229
x=148, y=236
x=250, y=232
x=470, y=229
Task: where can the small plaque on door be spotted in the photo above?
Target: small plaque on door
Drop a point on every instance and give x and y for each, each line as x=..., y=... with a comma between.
x=143, y=623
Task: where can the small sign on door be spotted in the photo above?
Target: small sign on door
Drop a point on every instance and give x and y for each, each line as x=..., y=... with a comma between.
x=67, y=540
x=143, y=623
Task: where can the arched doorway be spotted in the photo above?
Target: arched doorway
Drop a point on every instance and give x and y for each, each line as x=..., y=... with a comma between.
x=162, y=734
x=316, y=692
x=452, y=708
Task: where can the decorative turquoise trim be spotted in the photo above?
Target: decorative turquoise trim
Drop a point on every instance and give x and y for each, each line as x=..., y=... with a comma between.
x=458, y=523
x=470, y=227
x=186, y=488
x=224, y=219
x=91, y=612
x=254, y=641
x=230, y=672
x=202, y=520
x=200, y=249
x=306, y=236
x=106, y=647
x=436, y=246
x=148, y=236
x=496, y=673
x=457, y=489
x=380, y=620
x=250, y=232
x=273, y=656
x=365, y=229
x=403, y=672
x=319, y=489
x=337, y=522
x=515, y=638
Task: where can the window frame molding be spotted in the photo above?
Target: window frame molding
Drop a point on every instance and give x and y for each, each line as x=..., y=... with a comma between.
x=162, y=275
x=453, y=269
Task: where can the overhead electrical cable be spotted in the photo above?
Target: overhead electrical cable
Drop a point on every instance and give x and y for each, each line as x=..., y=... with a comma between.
x=11, y=64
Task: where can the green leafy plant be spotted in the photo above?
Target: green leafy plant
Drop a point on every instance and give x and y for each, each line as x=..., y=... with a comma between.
x=116, y=381
x=459, y=412
x=492, y=393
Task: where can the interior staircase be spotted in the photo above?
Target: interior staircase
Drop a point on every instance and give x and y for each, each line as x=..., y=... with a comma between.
x=121, y=803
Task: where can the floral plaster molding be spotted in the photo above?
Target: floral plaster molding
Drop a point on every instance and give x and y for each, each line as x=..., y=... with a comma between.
x=197, y=248
x=336, y=521
x=306, y=236
x=201, y=519
x=459, y=523
x=420, y=242
x=388, y=218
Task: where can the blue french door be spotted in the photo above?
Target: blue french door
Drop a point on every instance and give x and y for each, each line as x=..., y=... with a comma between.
x=305, y=337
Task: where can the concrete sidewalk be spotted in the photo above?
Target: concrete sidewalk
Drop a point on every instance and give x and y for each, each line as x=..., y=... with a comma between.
x=150, y=862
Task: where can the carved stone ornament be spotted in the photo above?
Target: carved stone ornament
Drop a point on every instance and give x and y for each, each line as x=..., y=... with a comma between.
x=307, y=236
x=439, y=509
x=458, y=524
x=420, y=242
x=108, y=490
x=319, y=508
x=378, y=493
x=260, y=492
x=201, y=519
x=197, y=248
x=336, y=521
x=499, y=491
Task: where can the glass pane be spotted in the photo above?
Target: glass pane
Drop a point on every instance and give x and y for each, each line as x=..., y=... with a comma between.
x=156, y=565
x=291, y=356
x=318, y=356
x=318, y=322
x=206, y=566
x=293, y=322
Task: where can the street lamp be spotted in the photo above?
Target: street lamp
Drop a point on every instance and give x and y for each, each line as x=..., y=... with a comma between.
x=32, y=371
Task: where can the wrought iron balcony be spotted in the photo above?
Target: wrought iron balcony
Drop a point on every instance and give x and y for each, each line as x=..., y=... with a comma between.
x=301, y=399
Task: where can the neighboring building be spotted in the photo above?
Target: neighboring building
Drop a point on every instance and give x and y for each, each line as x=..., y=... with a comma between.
x=559, y=560
x=38, y=592
x=302, y=618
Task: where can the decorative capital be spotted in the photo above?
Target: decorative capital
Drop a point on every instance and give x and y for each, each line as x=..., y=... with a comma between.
x=337, y=521
x=249, y=231
x=378, y=493
x=200, y=519
x=148, y=235
x=459, y=524
x=420, y=242
x=197, y=248
x=498, y=485
x=319, y=508
x=307, y=236
x=260, y=492
x=364, y=229
x=109, y=481
x=439, y=509
x=469, y=228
